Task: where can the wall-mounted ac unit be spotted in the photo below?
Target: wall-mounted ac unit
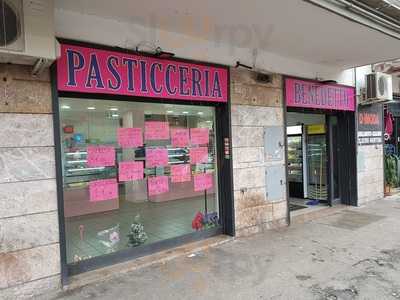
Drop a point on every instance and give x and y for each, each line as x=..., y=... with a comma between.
x=27, y=31
x=378, y=88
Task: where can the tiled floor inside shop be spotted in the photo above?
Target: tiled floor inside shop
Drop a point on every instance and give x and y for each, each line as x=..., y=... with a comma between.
x=161, y=221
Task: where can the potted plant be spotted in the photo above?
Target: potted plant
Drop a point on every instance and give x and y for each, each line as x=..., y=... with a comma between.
x=391, y=179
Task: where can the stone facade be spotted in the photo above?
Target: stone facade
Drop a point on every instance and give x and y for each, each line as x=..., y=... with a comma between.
x=255, y=106
x=370, y=174
x=29, y=237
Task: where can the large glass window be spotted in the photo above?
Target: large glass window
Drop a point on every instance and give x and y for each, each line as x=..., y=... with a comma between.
x=135, y=173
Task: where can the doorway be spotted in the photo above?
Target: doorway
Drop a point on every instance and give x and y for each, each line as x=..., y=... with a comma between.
x=321, y=164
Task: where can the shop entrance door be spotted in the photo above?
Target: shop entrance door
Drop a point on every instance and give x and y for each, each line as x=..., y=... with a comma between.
x=342, y=162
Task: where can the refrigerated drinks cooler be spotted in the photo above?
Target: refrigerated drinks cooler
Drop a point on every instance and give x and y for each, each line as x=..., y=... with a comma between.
x=307, y=161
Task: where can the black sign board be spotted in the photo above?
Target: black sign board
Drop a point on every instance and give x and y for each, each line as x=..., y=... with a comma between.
x=370, y=124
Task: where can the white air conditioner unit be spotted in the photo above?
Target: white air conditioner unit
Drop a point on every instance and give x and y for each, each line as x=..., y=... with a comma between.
x=27, y=31
x=378, y=88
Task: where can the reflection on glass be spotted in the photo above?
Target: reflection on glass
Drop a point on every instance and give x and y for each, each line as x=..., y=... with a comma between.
x=158, y=188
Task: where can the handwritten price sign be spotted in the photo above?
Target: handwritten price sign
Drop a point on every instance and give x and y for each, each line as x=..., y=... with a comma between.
x=179, y=137
x=157, y=185
x=157, y=157
x=198, y=155
x=100, y=156
x=180, y=173
x=104, y=189
x=199, y=136
x=203, y=182
x=130, y=170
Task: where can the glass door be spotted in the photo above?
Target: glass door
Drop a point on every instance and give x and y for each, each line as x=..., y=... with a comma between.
x=317, y=163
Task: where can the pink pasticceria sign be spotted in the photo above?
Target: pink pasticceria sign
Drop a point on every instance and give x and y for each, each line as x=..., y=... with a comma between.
x=314, y=94
x=92, y=70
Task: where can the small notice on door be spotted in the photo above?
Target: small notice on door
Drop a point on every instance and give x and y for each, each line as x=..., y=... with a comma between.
x=155, y=130
x=130, y=137
x=203, y=182
x=157, y=185
x=104, y=189
x=180, y=173
x=130, y=170
x=100, y=156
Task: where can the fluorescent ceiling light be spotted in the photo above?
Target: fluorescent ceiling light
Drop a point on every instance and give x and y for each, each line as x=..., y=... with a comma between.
x=200, y=113
x=91, y=108
x=185, y=112
x=169, y=111
x=65, y=106
x=114, y=109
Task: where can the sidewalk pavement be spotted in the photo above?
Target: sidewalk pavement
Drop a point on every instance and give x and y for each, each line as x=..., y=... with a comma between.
x=352, y=254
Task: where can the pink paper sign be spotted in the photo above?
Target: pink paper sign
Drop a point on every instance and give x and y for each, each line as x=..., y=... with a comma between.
x=180, y=173
x=198, y=155
x=156, y=157
x=130, y=137
x=100, y=156
x=91, y=70
x=199, y=136
x=104, y=189
x=130, y=170
x=179, y=137
x=315, y=94
x=157, y=185
x=155, y=130
x=203, y=182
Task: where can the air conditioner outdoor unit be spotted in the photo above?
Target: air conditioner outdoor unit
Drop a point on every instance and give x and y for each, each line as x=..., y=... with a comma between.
x=27, y=31
x=378, y=88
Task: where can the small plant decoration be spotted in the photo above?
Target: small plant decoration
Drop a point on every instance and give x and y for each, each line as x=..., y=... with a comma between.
x=391, y=170
x=205, y=221
x=137, y=235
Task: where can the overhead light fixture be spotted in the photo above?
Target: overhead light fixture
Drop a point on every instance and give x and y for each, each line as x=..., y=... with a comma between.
x=65, y=106
x=185, y=112
x=170, y=111
x=115, y=115
x=114, y=109
x=91, y=108
x=200, y=113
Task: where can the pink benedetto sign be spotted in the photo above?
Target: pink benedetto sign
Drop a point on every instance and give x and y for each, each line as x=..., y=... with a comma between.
x=92, y=70
x=315, y=94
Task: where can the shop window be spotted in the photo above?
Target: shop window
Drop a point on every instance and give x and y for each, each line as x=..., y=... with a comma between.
x=135, y=173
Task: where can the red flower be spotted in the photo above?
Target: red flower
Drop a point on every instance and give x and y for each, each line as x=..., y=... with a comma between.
x=197, y=222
